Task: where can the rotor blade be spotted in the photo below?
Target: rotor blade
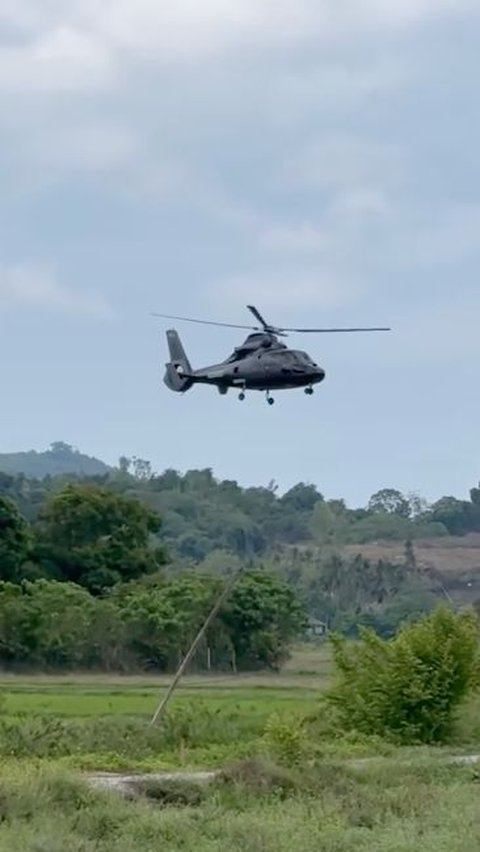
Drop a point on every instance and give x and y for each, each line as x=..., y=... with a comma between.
x=206, y=322
x=331, y=330
x=258, y=316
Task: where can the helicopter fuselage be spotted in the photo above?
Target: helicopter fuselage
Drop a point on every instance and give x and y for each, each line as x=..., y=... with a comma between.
x=261, y=363
x=264, y=370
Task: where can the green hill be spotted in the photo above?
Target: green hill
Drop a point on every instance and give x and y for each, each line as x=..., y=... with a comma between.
x=58, y=460
x=382, y=562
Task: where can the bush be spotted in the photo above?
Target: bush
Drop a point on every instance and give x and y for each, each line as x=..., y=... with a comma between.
x=409, y=687
x=284, y=738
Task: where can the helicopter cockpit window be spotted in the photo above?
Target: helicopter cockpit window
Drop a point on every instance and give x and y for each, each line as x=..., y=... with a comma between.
x=286, y=357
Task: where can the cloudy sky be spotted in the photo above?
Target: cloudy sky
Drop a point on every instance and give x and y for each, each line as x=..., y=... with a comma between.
x=319, y=158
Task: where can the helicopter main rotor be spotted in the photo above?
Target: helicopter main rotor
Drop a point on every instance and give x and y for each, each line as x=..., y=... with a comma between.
x=270, y=329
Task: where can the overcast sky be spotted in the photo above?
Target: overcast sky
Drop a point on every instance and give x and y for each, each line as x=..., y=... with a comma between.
x=318, y=158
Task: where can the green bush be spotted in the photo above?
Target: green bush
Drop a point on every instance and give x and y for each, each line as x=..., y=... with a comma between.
x=284, y=738
x=409, y=687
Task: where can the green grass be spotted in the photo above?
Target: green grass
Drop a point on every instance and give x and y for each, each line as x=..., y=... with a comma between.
x=255, y=808
x=52, y=729
x=82, y=701
x=109, y=727
x=102, y=721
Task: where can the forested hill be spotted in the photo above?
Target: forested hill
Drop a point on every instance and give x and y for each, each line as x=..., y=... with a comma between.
x=59, y=459
x=376, y=563
x=201, y=514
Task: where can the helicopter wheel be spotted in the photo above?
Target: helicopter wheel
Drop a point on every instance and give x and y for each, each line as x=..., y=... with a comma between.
x=241, y=396
x=270, y=399
x=309, y=391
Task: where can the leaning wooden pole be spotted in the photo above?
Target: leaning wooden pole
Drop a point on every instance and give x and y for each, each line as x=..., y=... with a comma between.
x=171, y=689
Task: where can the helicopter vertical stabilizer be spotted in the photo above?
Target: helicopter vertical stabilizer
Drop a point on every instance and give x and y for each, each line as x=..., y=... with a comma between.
x=178, y=376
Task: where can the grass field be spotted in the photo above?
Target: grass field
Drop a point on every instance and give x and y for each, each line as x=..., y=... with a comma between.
x=420, y=807
x=102, y=721
x=52, y=729
x=253, y=695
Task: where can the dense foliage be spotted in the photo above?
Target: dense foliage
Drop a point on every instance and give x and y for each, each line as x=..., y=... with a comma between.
x=201, y=514
x=15, y=540
x=53, y=625
x=103, y=532
x=92, y=536
x=409, y=687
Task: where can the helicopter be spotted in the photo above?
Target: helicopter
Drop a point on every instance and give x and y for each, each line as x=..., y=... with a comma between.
x=262, y=362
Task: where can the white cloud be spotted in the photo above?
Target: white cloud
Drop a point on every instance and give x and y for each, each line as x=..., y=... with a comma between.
x=30, y=287
x=282, y=290
x=360, y=202
x=410, y=12
x=78, y=43
x=76, y=53
x=341, y=161
x=333, y=85
x=303, y=238
x=82, y=147
x=441, y=332
x=59, y=60
x=446, y=235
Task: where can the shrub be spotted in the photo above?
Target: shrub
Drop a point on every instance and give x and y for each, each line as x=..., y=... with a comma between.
x=284, y=738
x=409, y=687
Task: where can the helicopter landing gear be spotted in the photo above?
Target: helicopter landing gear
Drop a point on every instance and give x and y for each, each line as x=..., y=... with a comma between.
x=309, y=390
x=270, y=399
x=241, y=396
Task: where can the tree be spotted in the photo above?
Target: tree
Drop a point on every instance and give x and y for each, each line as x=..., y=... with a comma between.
x=475, y=495
x=263, y=616
x=323, y=524
x=458, y=516
x=409, y=687
x=390, y=501
x=90, y=535
x=15, y=540
x=302, y=497
x=142, y=469
x=61, y=448
x=418, y=505
x=124, y=465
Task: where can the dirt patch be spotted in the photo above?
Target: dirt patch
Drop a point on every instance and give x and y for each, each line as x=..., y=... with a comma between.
x=453, y=562
x=139, y=783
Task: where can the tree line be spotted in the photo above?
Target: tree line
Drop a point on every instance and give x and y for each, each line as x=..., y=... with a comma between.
x=201, y=514
x=55, y=625
x=131, y=526
x=88, y=584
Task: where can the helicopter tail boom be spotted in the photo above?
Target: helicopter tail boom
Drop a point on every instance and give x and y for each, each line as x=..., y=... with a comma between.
x=178, y=376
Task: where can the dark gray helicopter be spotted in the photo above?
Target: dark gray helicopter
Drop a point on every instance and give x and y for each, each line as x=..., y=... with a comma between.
x=261, y=363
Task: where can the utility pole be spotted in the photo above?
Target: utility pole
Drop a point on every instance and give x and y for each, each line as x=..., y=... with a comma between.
x=171, y=689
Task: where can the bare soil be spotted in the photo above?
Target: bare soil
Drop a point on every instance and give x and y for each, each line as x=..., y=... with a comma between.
x=454, y=562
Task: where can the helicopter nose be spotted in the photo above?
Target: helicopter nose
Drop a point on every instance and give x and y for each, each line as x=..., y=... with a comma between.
x=319, y=374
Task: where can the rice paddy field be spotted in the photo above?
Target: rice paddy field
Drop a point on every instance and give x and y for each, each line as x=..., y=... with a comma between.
x=275, y=789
